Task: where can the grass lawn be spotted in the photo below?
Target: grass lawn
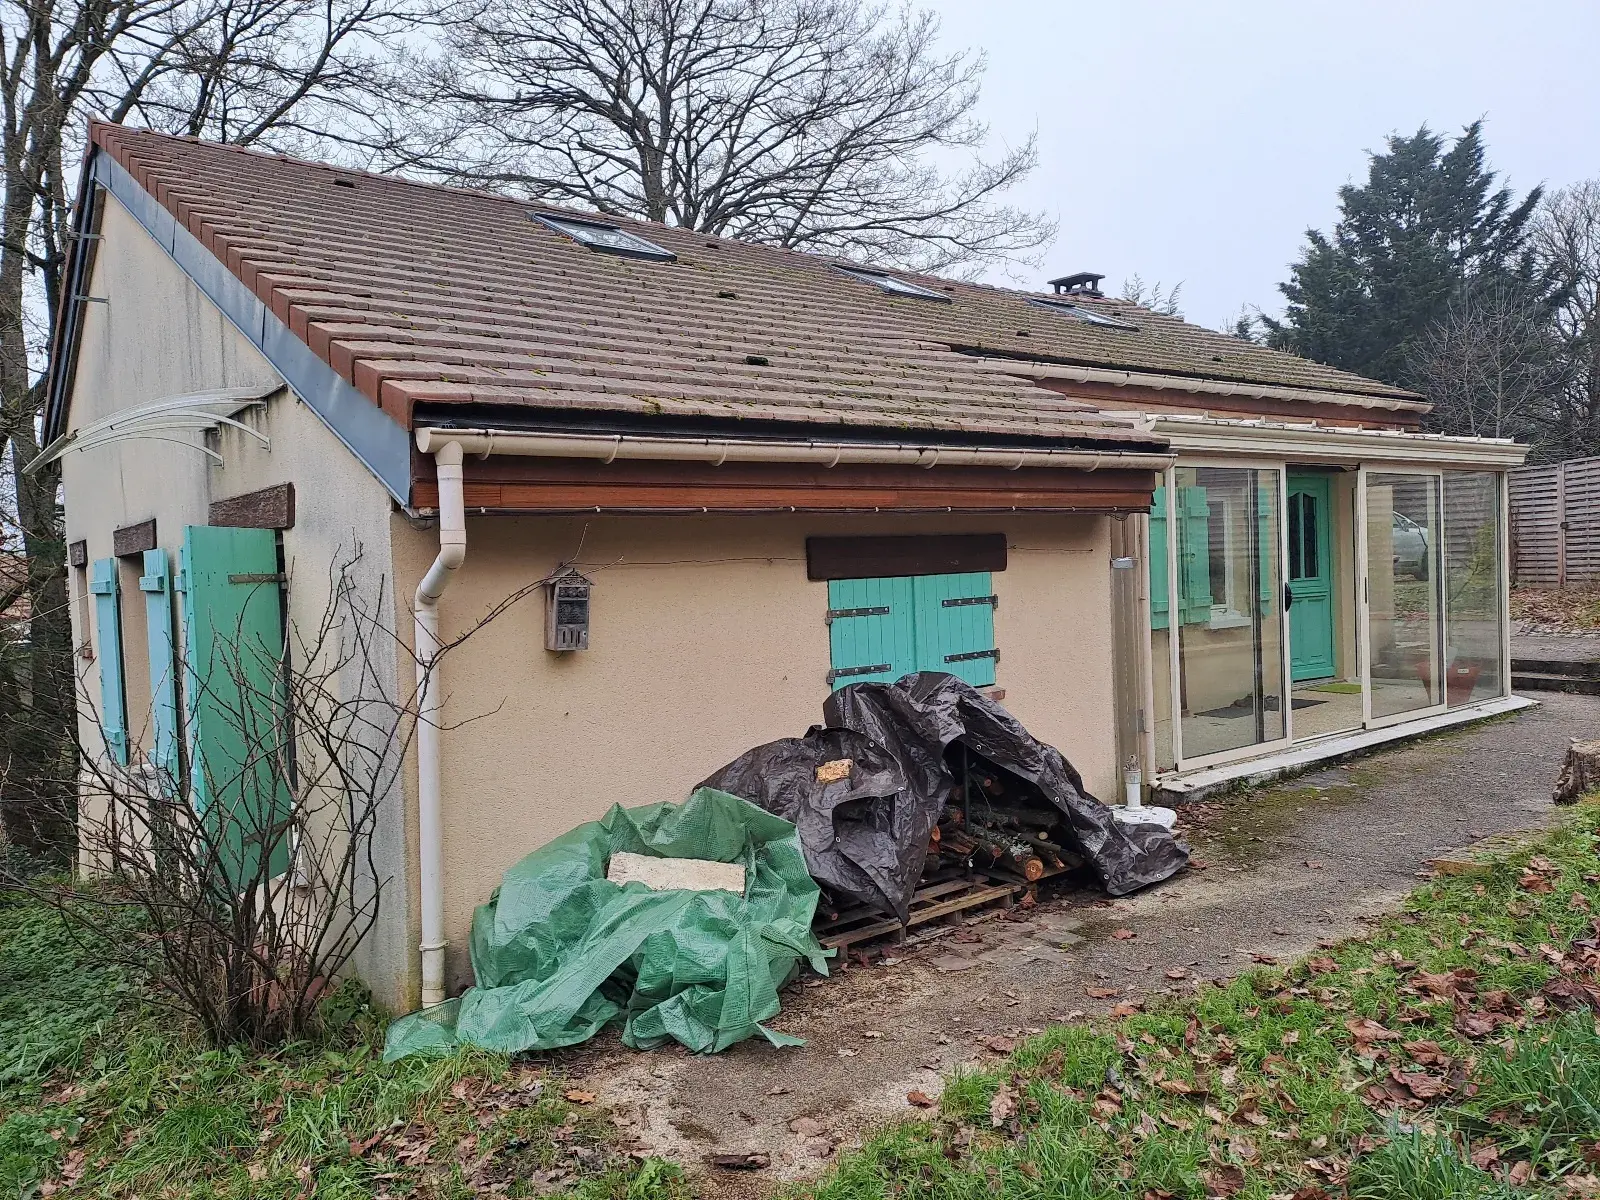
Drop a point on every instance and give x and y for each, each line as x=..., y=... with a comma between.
x=103, y=1095
x=1452, y=1052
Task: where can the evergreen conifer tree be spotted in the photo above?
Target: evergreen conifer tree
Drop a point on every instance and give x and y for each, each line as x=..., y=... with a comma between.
x=1429, y=225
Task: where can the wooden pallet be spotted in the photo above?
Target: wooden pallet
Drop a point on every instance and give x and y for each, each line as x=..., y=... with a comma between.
x=935, y=899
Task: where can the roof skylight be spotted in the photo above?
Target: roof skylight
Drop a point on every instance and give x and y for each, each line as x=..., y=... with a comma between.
x=1081, y=312
x=607, y=239
x=892, y=285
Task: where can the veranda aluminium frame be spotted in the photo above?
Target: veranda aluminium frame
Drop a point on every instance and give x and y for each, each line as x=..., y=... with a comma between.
x=1458, y=457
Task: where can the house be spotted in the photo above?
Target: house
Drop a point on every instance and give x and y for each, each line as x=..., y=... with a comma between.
x=746, y=476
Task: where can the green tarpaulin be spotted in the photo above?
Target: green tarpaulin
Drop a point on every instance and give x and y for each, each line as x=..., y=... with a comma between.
x=559, y=951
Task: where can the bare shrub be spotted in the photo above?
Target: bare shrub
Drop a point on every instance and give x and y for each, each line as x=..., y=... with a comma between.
x=247, y=862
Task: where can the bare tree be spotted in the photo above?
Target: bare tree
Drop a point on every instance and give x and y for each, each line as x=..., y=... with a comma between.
x=1150, y=295
x=1566, y=239
x=812, y=124
x=1491, y=365
x=279, y=72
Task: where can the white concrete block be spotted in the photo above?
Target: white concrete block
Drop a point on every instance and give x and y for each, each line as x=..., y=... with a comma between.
x=665, y=874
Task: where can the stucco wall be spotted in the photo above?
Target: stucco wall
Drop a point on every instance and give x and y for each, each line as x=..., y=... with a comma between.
x=158, y=337
x=706, y=639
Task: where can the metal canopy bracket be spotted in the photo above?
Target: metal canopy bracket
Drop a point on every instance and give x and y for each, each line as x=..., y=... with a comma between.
x=194, y=412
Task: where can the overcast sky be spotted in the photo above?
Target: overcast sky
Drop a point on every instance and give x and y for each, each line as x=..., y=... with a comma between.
x=1197, y=141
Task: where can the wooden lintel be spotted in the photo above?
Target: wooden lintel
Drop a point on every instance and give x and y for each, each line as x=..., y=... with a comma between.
x=270, y=508
x=134, y=539
x=904, y=554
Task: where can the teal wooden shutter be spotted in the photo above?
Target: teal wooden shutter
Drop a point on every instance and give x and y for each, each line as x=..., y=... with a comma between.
x=955, y=626
x=237, y=727
x=1266, y=544
x=871, y=635
x=1159, y=615
x=108, y=626
x=1194, y=555
x=156, y=584
x=881, y=629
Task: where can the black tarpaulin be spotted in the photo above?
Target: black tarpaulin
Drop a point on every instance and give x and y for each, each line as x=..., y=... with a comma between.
x=866, y=835
x=858, y=831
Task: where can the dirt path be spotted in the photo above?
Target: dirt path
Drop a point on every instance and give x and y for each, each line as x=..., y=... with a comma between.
x=1285, y=867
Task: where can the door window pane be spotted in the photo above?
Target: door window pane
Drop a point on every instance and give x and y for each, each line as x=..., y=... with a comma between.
x=1473, y=581
x=1404, y=623
x=1230, y=640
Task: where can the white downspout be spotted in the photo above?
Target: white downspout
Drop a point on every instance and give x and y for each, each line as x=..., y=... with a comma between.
x=430, y=831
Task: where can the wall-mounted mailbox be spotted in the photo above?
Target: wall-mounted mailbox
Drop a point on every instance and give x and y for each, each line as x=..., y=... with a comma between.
x=566, y=611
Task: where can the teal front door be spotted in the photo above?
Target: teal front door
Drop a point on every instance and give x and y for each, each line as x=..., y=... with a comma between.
x=1310, y=577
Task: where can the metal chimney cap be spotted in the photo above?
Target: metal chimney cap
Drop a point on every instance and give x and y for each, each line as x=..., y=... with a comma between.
x=1086, y=282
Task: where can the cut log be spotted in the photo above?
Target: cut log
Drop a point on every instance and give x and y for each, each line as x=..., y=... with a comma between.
x=1580, y=774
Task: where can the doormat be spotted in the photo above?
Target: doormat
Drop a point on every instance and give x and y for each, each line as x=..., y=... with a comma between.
x=1342, y=689
x=1244, y=709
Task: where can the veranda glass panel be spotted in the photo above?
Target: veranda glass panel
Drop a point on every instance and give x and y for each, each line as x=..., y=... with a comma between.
x=1473, y=583
x=1403, y=539
x=1226, y=604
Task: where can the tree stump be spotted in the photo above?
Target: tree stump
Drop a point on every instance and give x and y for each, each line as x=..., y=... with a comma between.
x=1580, y=774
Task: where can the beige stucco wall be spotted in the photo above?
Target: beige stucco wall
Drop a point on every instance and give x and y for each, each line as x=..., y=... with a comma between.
x=158, y=337
x=706, y=639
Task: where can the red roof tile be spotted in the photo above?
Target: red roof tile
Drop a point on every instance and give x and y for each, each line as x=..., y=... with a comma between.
x=420, y=294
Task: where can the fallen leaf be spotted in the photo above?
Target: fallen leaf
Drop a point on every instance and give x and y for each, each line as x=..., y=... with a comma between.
x=1485, y=1156
x=1243, y=1149
x=1366, y=1031
x=1002, y=1105
x=1427, y=1054
x=920, y=1099
x=1224, y=1181
x=1478, y=1024
x=1123, y=935
x=1100, y=993
x=1176, y=1087
x=1269, y=959
x=806, y=1127
x=1322, y=964
x=1420, y=1084
x=740, y=1162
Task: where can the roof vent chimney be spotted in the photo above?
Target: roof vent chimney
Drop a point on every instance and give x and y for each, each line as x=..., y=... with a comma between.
x=1084, y=283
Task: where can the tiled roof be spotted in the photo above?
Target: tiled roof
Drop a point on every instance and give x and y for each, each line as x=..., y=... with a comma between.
x=420, y=294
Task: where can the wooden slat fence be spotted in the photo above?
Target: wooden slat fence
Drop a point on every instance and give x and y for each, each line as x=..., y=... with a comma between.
x=1555, y=524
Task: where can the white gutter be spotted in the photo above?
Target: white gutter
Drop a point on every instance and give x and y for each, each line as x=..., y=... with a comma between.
x=1209, y=387
x=430, y=828
x=716, y=451
x=1191, y=434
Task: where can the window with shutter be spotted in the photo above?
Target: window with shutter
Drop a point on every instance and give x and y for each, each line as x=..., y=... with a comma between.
x=1194, y=555
x=156, y=584
x=1159, y=604
x=233, y=684
x=108, y=629
x=881, y=629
